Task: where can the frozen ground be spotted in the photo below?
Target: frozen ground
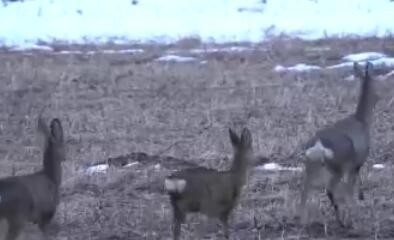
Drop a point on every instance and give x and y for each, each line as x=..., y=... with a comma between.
x=123, y=21
x=141, y=119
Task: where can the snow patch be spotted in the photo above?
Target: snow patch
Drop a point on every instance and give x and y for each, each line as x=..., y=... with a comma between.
x=131, y=164
x=107, y=51
x=69, y=52
x=365, y=56
x=236, y=49
x=100, y=168
x=175, y=58
x=103, y=168
x=301, y=67
x=31, y=47
x=386, y=76
x=157, y=166
x=277, y=167
x=350, y=78
x=341, y=65
x=377, y=59
x=378, y=166
x=122, y=51
x=385, y=61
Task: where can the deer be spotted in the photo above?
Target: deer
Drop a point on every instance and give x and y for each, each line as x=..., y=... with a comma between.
x=34, y=197
x=340, y=150
x=208, y=191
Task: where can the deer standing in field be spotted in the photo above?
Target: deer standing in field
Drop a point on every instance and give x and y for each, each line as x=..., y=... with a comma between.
x=208, y=191
x=341, y=149
x=34, y=197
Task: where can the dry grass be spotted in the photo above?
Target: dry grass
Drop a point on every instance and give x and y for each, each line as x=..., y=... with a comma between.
x=112, y=105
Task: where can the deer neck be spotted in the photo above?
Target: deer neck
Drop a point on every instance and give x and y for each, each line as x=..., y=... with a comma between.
x=239, y=169
x=365, y=103
x=52, y=164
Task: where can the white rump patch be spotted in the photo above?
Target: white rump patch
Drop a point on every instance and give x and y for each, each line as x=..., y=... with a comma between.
x=175, y=184
x=318, y=151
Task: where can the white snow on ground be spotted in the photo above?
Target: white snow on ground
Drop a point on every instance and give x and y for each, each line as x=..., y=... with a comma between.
x=131, y=164
x=107, y=51
x=386, y=61
x=31, y=47
x=175, y=58
x=341, y=65
x=97, y=21
x=277, y=167
x=157, y=166
x=383, y=61
x=387, y=75
x=374, y=57
x=356, y=57
x=122, y=51
x=301, y=67
x=103, y=168
x=100, y=168
x=236, y=49
x=350, y=78
x=378, y=166
x=377, y=59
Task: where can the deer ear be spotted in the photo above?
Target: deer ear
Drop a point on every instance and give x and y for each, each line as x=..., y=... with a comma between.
x=368, y=69
x=235, y=141
x=57, y=129
x=246, y=138
x=357, y=70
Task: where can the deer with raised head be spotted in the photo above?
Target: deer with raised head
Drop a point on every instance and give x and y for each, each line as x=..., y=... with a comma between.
x=208, y=191
x=342, y=148
x=34, y=197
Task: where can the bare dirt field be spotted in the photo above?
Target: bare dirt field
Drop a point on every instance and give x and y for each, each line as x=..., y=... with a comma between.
x=167, y=116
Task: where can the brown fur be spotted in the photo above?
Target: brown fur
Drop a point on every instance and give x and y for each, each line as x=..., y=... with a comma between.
x=348, y=139
x=34, y=197
x=209, y=191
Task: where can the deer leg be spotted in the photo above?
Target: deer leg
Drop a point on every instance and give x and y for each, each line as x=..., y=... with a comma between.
x=45, y=219
x=14, y=228
x=224, y=221
x=226, y=230
x=356, y=182
x=304, y=198
x=336, y=208
x=176, y=229
x=335, y=179
x=359, y=184
x=179, y=218
x=360, y=190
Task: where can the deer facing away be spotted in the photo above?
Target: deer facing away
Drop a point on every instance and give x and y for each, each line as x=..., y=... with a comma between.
x=34, y=197
x=210, y=192
x=342, y=148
